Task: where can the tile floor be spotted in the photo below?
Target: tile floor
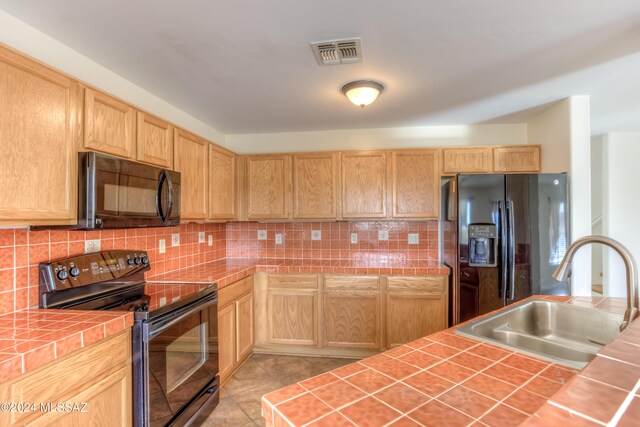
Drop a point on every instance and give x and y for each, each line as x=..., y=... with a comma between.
x=261, y=374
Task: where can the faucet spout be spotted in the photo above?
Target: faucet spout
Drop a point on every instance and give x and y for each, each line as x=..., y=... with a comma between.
x=633, y=308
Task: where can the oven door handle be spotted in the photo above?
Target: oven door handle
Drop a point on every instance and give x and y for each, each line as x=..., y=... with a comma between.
x=165, y=178
x=153, y=328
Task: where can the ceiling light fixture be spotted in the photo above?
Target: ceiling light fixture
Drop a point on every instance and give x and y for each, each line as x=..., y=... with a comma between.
x=362, y=92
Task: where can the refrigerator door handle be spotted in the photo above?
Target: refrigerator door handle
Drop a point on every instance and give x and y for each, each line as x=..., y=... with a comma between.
x=512, y=251
x=502, y=291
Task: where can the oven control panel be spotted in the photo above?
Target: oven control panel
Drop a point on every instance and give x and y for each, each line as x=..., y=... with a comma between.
x=92, y=268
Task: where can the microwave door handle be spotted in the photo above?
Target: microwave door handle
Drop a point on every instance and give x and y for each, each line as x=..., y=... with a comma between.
x=169, y=197
x=164, y=178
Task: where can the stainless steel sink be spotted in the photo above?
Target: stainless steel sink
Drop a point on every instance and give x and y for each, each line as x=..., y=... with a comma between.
x=563, y=333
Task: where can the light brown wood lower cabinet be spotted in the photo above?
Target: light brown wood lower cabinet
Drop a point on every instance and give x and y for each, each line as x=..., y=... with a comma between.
x=235, y=326
x=416, y=307
x=99, y=375
x=345, y=315
x=352, y=312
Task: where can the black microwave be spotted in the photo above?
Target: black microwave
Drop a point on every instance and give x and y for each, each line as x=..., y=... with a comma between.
x=117, y=193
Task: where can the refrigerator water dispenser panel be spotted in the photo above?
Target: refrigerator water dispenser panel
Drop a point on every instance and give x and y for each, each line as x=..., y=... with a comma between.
x=483, y=245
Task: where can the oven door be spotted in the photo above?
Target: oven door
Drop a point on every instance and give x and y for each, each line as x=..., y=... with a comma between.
x=181, y=357
x=122, y=193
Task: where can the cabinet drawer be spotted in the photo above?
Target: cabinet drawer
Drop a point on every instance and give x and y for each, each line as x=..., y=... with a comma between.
x=419, y=284
x=234, y=291
x=290, y=281
x=352, y=282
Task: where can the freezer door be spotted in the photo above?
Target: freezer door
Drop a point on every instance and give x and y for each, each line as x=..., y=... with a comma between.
x=539, y=223
x=480, y=288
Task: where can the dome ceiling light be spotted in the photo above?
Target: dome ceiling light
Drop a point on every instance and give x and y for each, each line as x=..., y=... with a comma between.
x=362, y=92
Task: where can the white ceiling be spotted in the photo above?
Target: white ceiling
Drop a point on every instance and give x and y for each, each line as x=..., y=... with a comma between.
x=246, y=66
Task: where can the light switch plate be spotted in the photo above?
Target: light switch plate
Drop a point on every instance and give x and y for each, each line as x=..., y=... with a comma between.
x=210, y=239
x=175, y=239
x=316, y=235
x=201, y=237
x=278, y=238
x=354, y=238
x=413, y=239
x=162, y=246
x=91, y=246
x=262, y=234
x=383, y=234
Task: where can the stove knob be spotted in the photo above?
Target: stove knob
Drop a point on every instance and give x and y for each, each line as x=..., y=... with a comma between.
x=145, y=260
x=62, y=275
x=138, y=308
x=74, y=272
x=130, y=261
x=137, y=260
x=145, y=307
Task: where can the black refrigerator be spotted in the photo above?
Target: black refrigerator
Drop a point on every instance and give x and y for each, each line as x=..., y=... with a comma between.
x=512, y=232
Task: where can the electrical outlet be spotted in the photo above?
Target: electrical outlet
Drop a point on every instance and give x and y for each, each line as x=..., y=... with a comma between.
x=162, y=246
x=413, y=238
x=354, y=238
x=262, y=234
x=163, y=301
x=201, y=237
x=91, y=246
x=316, y=235
x=278, y=238
x=175, y=239
x=210, y=239
x=383, y=234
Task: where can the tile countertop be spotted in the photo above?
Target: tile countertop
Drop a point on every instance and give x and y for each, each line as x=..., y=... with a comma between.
x=449, y=380
x=31, y=338
x=229, y=270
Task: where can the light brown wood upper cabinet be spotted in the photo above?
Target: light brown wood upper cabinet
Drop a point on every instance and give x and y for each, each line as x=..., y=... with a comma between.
x=40, y=133
x=364, y=184
x=268, y=183
x=315, y=185
x=467, y=160
x=416, y=184
x=222, y=183
x=191, y=155
x=517, y=158
x=109, y=125
x=154, y=142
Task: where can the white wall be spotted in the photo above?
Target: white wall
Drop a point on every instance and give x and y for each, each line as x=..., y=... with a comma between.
x=596, y=209
x=27, y=40
x=563, y=131
x=385, y=138
x=621, y=203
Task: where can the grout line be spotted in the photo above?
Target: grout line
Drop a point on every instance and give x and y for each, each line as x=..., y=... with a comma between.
x=625, y=405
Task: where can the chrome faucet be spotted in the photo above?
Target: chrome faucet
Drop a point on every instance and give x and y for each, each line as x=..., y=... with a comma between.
x=563, y=271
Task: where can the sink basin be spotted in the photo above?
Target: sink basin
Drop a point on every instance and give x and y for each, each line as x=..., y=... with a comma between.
x=562, y=333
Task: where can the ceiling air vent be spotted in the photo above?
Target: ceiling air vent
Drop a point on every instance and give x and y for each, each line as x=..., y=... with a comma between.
x=335, y=52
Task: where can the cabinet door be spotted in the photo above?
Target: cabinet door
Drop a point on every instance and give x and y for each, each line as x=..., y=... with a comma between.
x=244, y=327
x=416, y=184
x=222, y=184
x=352, y=312
x=190, y=159
x=154, y=141
x=39, y=134
x=416, y=307
x=467, y=160
x=364, y=185
x=226, y=340
x=292, y=309
x=519, y=158
x=109, y=403
x=109, y=125
x=315, y=187
x=268, y=186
